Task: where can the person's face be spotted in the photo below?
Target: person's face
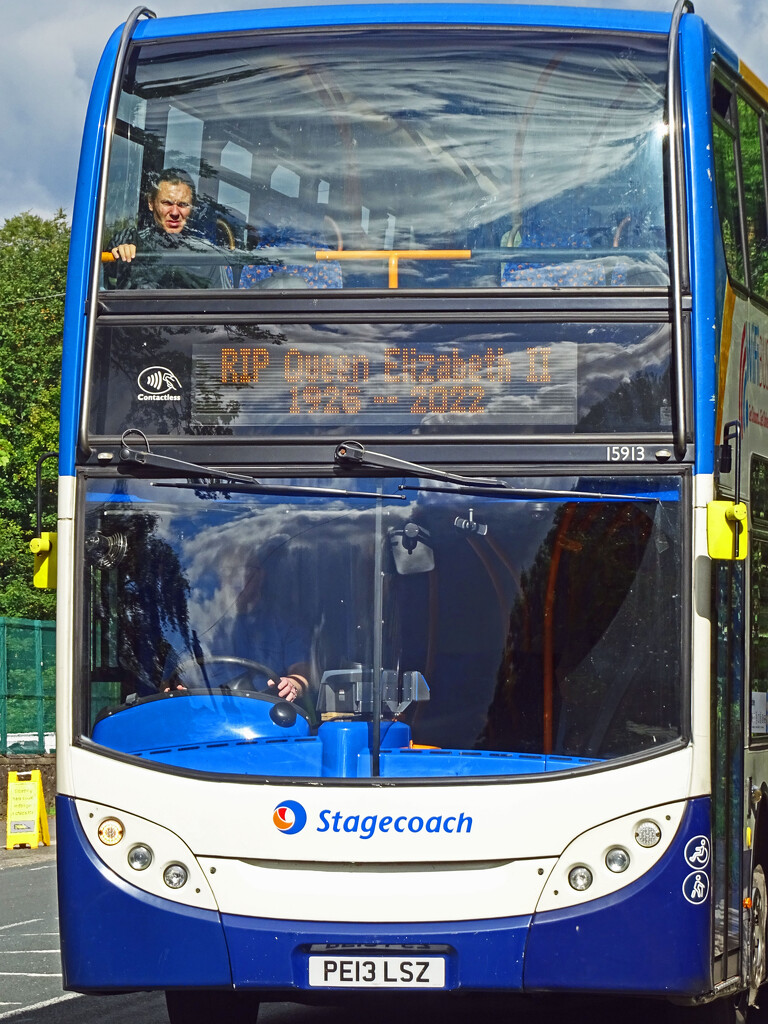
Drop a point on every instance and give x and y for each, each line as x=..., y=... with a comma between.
x=171, y=206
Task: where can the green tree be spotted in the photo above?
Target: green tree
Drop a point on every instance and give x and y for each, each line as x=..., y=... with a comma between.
x=33, y=263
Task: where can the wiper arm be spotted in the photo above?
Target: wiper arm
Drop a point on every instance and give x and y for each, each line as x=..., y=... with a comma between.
x=351, y=453
x=243, y=484
x=148, y=458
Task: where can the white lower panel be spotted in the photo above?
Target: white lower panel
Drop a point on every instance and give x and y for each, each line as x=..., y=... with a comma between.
x=376, y=892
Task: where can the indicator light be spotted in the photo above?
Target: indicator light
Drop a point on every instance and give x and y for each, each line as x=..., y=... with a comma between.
x=647, y=833
x=111, y=831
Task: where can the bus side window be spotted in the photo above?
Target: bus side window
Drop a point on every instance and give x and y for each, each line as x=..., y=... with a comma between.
x=726, y=180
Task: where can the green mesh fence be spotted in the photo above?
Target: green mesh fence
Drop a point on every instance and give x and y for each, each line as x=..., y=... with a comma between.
x=27, y=686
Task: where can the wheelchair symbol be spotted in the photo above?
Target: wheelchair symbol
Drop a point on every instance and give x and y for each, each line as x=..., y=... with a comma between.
x=697, y=852
x=696, y=887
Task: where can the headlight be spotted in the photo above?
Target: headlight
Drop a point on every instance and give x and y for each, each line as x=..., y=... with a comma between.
x=111, y=831
x=580, y=878
x=647, y=833
x=139, y=857
x=617, y=860
x=175, y=875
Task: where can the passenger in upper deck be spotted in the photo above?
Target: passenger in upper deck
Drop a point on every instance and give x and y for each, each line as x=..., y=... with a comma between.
x=171, y=201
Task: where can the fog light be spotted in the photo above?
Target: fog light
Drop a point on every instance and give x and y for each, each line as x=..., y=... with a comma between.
x=647, y=833
x=111, y=831
x=617, y=860
x=175, y=875
x=140, y=857
x=580, y=878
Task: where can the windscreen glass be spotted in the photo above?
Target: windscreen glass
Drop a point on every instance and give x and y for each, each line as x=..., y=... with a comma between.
x=382, y=627
x=438, y=159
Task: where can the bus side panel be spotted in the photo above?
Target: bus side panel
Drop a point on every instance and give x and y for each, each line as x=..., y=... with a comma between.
x=653, y=938
x=114, y=936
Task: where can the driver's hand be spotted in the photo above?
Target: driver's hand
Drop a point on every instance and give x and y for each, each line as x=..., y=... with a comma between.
x=124, y=252
x=287, y=687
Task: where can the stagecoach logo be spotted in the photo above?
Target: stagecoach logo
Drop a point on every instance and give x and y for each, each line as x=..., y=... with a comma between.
x=289, y=817
x=158, y=383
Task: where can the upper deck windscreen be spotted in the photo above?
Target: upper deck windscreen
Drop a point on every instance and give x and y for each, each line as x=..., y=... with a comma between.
x=397, y=158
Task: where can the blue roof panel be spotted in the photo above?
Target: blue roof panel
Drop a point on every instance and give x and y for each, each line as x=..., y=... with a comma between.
x=470, y=14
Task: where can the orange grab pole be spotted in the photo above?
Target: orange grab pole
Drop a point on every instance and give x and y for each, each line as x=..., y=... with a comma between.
x=393, y=256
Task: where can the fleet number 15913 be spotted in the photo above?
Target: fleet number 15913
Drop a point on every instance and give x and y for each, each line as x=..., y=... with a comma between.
x=625, y=453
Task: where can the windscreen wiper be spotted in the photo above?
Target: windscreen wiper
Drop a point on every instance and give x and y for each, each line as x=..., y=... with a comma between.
x=530, y=493
x=227, y=481
x=351, y=454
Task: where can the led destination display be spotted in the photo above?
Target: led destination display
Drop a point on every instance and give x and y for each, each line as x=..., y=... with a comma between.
x=451, y=381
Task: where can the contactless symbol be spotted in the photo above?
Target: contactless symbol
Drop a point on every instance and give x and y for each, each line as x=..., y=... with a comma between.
x=697, y=852
x=289, y=817
x=158, y=380
x=696, y=887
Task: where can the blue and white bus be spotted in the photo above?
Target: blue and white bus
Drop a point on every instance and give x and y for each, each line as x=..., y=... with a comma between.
x=413, y=510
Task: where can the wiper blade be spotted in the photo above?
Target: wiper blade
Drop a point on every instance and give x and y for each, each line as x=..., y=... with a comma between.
x=228, y=481
x=229, y=485
x=351, y=453
x=529, y=493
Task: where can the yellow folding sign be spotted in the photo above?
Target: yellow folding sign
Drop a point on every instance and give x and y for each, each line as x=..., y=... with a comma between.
x=27, y=820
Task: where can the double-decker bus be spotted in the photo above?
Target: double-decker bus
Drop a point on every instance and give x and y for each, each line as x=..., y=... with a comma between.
x=413, y=511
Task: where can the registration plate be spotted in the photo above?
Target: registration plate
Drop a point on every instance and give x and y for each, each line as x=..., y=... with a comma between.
x=377, y=971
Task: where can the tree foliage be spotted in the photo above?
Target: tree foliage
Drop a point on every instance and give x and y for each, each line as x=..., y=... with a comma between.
x=33, y=263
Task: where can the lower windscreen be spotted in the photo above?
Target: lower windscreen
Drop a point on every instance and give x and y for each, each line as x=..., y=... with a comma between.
x=399, y=628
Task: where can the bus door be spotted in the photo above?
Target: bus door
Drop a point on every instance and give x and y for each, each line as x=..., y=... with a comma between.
x=728, y=765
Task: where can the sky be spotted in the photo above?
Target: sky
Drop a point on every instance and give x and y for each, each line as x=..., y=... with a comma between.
x=47, y=64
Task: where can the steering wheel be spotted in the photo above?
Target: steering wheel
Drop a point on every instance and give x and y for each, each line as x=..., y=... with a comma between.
x=244, y=681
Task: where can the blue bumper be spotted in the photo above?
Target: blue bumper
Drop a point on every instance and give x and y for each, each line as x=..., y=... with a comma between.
x=646, y=939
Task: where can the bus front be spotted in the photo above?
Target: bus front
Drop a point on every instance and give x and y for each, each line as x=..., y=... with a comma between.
x=375, y=548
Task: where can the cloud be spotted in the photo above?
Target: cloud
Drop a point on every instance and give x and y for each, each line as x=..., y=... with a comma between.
x=48, y=58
